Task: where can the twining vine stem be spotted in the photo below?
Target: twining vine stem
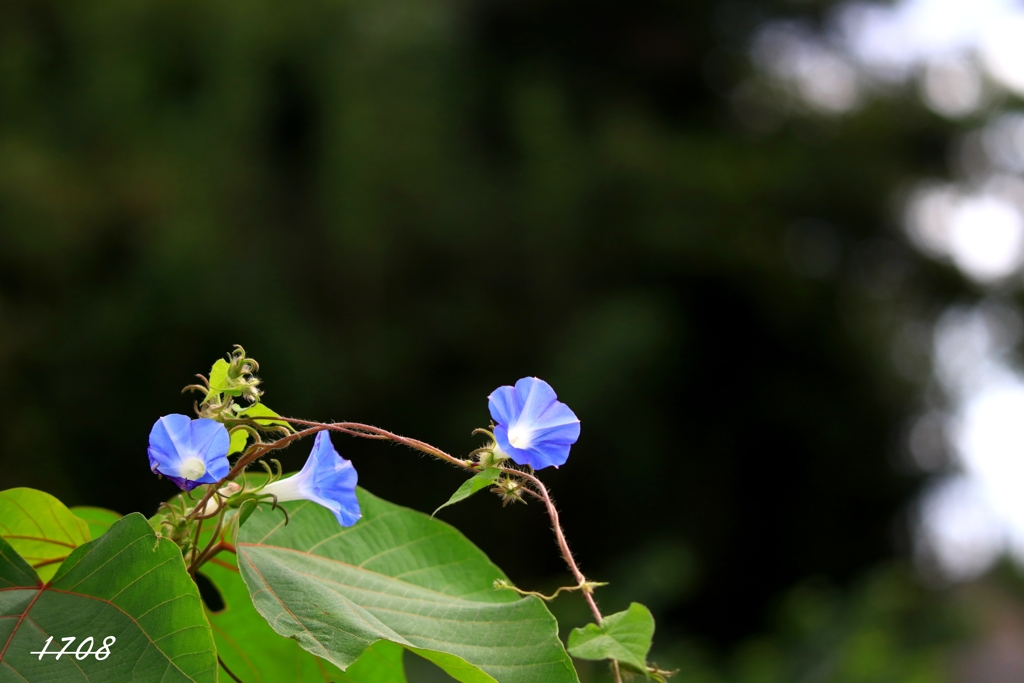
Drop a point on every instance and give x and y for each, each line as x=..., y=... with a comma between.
x=229, y=671
x=563, y=545
x=365, y=431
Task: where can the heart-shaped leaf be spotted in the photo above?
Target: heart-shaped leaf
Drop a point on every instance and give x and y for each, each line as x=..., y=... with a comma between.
x=625, y=636
x=98, y=519
x=254, y=653
x=40, y=528
x=400, y=576
x=247, y=644
x=128, y=584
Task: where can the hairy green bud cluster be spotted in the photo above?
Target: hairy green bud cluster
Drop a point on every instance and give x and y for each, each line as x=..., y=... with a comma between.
x=240, y=376
x=489, y=455
x=509, y=490
x=229, y=379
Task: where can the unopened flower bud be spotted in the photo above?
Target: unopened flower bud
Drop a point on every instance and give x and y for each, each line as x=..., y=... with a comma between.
x=490, y=458
x=240, y=375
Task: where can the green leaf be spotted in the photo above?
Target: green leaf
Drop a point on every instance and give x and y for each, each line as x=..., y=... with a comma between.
x=625, y=636
x=380, y=663
x=401, y=576
x=98, y=519
x=40, y=528
x=14, y=571
x=256, y=410
x=246, y=509
x=250, y=648
x=238, y=439
x=253, y=652
x=219, y=382
x=259, y=410
x=480, y=480
x=128, y=584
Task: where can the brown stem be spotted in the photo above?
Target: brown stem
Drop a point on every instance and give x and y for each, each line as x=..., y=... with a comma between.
x=365, y=431
x=563, y=544
x=254, y=453
x=212, y=548
x=195, y=543
x=229, y=672
x=368, y=431
x=208, y=555
x=371, y=432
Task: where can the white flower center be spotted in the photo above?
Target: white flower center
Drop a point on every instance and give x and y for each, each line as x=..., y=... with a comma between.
x=520, y=437
x=192, y=469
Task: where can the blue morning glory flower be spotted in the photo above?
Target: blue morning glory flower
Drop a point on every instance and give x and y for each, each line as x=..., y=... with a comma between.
x=531, y=426
x=326, y=479
x=189, y=452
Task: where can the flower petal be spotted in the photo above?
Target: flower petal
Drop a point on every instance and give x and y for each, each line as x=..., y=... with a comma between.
x=169, y=436
x=539, y=455
x=535, y=396
x=565, y=433
x=175, y=439
x=552, y=453
x=503, y=405
x=556, y=415
x=207, y=435
x=519, y=456
x=211, y=442
x=327, y=479
x=183, y=483
x=339, y=489
x=543, y=427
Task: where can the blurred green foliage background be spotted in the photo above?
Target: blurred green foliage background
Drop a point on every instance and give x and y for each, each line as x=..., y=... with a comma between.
x=397, y=206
